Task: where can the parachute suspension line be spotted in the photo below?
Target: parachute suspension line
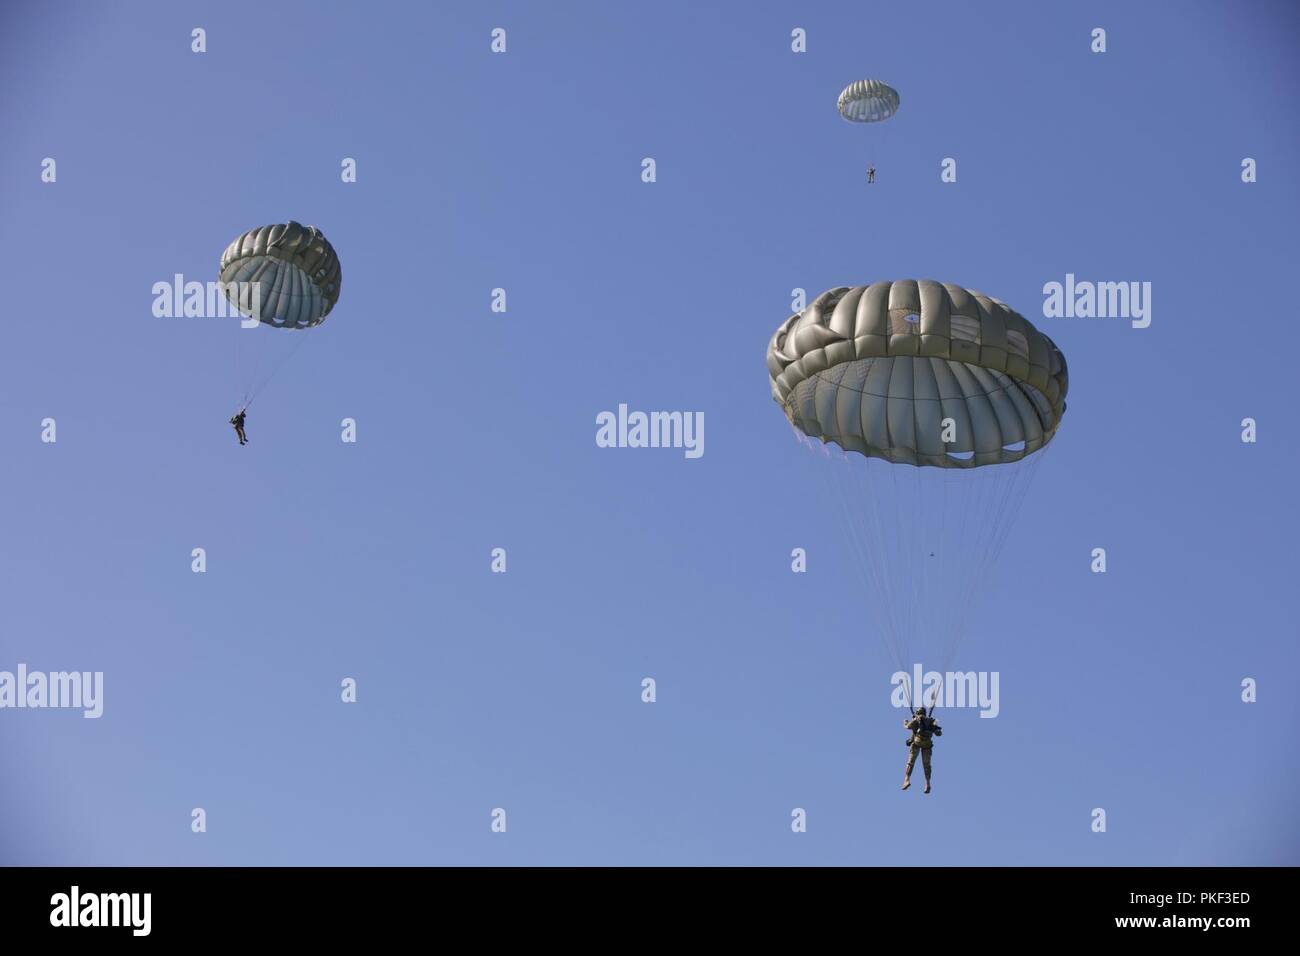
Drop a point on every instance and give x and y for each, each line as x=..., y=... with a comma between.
x=984, y=509
x=863, y=526
x=867, y=532
x=1019, y=492
x=907, y=689
x=892, y=536
x=916, y=518
x=849, y=487
x=888, y=510
x=906, y=511
x=1009, y=495
x=984, y=520
x=901, y=559
x=921, y=501
x=974, y=528
x=907, y=540
x=885, y=506
x=302, y=337
x=940, y=558
x=252, y=387
x=931, y=554
x=952, y=558
x=895, y=557
x=831, y=477
x=923, y=508
x=1000, y=479
x=243, y=365
x=946, y=563
x=245, y=360
x=239, y=370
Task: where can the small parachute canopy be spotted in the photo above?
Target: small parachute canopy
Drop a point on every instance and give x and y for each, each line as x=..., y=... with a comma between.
x=287, y=273
x=868, y=101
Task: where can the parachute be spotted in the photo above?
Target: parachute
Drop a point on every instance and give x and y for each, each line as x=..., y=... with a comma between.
x=293, y=267
x=939, y=401
x=288, y=277
x=876, y=369
x=868, y=101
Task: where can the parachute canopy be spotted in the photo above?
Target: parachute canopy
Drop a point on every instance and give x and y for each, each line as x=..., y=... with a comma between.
x=287, y=272
x=878, y=369
x=868, y=101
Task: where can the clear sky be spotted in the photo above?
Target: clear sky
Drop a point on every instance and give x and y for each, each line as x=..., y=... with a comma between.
x=477, y=430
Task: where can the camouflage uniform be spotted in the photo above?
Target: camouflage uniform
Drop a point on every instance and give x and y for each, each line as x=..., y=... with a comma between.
x=923, y=729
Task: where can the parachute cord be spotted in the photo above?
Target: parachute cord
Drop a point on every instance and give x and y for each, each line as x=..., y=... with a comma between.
x=990, y=494
x=944, y=561
x=858, y=524
x=963, y=584
x=239, y=368
x=251, y=393
x=883, y=506
x=887, y=506
x=916, y=570
x=860, y=536
x=987, y=493
x=1010, y=499
x=245, y=362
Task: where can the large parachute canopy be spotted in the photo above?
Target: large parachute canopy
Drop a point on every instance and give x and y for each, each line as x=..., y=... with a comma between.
x=868, y=101
x=288, y=271
x=877, y=369
x=928, y=407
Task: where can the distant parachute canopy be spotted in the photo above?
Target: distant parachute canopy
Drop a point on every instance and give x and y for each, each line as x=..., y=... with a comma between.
x=295, y=269
x=868, y=101
x=878, y=369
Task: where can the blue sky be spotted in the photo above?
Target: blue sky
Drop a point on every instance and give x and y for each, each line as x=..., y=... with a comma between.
x=477, y=430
